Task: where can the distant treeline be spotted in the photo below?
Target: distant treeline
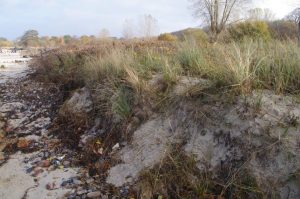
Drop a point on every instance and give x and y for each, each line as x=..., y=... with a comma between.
x=285, y=29
x=254, y=29
x=31, y=38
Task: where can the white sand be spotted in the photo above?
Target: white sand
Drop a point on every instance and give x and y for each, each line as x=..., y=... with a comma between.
x=15, y=183
x=11, y=68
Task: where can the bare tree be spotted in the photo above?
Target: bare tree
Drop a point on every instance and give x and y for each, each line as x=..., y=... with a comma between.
x=128, y=29
x=30, y=38
x=259, y=14
x=295, y=16
x=269, y=15
x=149, y=26
x=216, y=13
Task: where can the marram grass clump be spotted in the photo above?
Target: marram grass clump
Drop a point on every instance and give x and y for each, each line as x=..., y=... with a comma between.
x=240, y=66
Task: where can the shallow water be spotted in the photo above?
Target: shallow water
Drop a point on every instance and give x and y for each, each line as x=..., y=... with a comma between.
x=12, y=65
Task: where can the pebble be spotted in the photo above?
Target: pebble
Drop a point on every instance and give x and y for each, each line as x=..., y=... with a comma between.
x=88, y=181
x=2, y=157
x=51, y=168
x=23, y=143
x=116, y=147
x=44, y=155
x=66, y=163
x=37, y=160
x=81, y=192
x=71, y=196
x=37, y=171
x=94, y=194
x=50, y=186
x=45, y=163
x=29, y=170
x=77, y=182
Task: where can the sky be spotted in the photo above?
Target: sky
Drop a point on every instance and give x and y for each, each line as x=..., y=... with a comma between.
x=88, y=17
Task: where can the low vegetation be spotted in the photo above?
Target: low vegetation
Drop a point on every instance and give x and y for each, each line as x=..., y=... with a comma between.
x=128, y=76
x=190, y=182
x=242, y=66
x=251, y=29
x=186, y=83
x=196, y=34
x=167, y=37
x=283, y=30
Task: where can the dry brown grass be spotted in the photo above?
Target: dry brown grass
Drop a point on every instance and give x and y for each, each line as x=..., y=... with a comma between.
x=177, y=176
x=119, y=75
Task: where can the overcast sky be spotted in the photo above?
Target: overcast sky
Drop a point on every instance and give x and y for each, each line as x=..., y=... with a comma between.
x=78, y=17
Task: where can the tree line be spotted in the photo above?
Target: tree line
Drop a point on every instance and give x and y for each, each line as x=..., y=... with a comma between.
x=147, y=28
x=217, y=17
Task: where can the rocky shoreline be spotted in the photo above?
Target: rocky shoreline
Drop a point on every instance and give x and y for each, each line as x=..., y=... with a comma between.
x=33, y=162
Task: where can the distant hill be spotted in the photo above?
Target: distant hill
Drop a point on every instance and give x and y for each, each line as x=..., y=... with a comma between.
x=181, y=33
x=197, y=33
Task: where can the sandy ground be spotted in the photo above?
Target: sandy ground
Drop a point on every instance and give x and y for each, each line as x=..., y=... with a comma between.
x=15, y=183
x=15, y=180
x=14, y=66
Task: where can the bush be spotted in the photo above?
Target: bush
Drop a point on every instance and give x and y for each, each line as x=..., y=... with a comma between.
x=196, y=34
x=243, y=65
x=191, y=59
x=60, y=66
x=121, y=103
x=167, y=37
x=280, y=66
x=254, y=30
x=283, y=30
x=110, y=65
x=5, y=43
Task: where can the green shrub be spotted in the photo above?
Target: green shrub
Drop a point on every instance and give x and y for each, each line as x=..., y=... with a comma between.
x=190, y=58
x=171, y=70
x=245, y=65
x=254, y=30
x=60, y=66
x=231, y=65
x=121, y=104
x=167, y=37
x=196, y=34
x=280, y=66
x=240, y=64
x=203, y=61
x=148, y=62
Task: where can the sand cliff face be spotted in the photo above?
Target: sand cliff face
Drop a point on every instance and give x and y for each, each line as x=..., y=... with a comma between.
x=258, y=133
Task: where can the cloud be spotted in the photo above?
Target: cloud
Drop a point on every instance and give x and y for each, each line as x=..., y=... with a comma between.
x=77, y=17
x=279, y=7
